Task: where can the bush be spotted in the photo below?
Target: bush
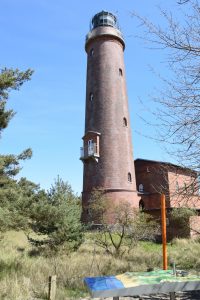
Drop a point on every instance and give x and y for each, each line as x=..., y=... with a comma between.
x=122, y=226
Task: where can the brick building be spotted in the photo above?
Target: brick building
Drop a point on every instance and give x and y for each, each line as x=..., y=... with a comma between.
x=180, y=185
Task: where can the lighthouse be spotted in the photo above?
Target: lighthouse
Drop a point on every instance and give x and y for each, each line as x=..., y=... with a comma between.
x=107, y=152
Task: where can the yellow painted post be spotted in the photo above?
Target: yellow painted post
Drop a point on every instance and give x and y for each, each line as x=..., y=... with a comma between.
x=164, y=234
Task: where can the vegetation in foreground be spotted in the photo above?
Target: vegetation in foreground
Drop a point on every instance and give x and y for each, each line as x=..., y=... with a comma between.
x=24, y=270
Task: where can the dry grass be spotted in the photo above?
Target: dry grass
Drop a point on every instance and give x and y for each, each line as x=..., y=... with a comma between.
x=23, y=276
x=185, y=253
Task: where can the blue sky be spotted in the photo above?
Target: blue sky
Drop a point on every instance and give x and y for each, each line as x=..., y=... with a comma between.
x=48, y=36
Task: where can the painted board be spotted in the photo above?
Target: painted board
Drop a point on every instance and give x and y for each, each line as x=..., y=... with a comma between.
x=141, y=283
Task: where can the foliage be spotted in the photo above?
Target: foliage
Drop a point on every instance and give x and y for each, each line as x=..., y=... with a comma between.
x=57, y=216
x=10, y=165
x=12, y=201
x=122, y=226
x=23, y=205
x=180, y=218
x=16, y=200
x=10, y=80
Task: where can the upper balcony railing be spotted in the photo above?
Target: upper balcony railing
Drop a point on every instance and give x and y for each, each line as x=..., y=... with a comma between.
x=89, y=151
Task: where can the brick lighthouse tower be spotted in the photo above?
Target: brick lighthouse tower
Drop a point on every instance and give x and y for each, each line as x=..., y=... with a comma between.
x=107, y=147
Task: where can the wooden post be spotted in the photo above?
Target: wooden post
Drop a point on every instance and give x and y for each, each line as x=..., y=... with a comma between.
x=52, y=288
x=172, y=296
x=164, y=235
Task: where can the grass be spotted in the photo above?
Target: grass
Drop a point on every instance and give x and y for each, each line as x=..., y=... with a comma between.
x=24, y=272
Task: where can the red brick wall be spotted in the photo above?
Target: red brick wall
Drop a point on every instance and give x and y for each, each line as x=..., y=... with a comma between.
x=182, y=197
x=151, y=201
x=154, y=179
x=151, y=175
x=162, y=178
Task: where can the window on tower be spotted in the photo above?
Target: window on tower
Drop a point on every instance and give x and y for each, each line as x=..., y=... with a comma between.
x=120, y=72
x=125, y=122
x=91, y=97
x=91, y=52
x=129, y=177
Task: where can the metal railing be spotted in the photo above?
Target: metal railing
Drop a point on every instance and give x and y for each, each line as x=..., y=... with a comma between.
x=89, y=151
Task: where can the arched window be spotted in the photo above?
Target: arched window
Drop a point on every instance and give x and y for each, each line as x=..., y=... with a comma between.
x=91, y=97
x=91, y=52
x=125, y=122
x=141, y=188
x=120, y=72
x=141, y=204
x=129, y=177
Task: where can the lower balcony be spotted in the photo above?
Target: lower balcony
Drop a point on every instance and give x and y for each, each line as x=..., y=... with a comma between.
x=88, y=152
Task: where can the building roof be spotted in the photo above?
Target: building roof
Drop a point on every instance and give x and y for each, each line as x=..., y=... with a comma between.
x=167, y=164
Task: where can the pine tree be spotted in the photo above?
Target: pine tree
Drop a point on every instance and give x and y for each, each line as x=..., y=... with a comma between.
x=10, y=192
x=58, y=217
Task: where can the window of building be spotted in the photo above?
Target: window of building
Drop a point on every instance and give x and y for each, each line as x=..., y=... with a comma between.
x=91, y=97
x=125, y=122
x=91, y=52
x=120, y=72
x=141, y=188
x=129, y=177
